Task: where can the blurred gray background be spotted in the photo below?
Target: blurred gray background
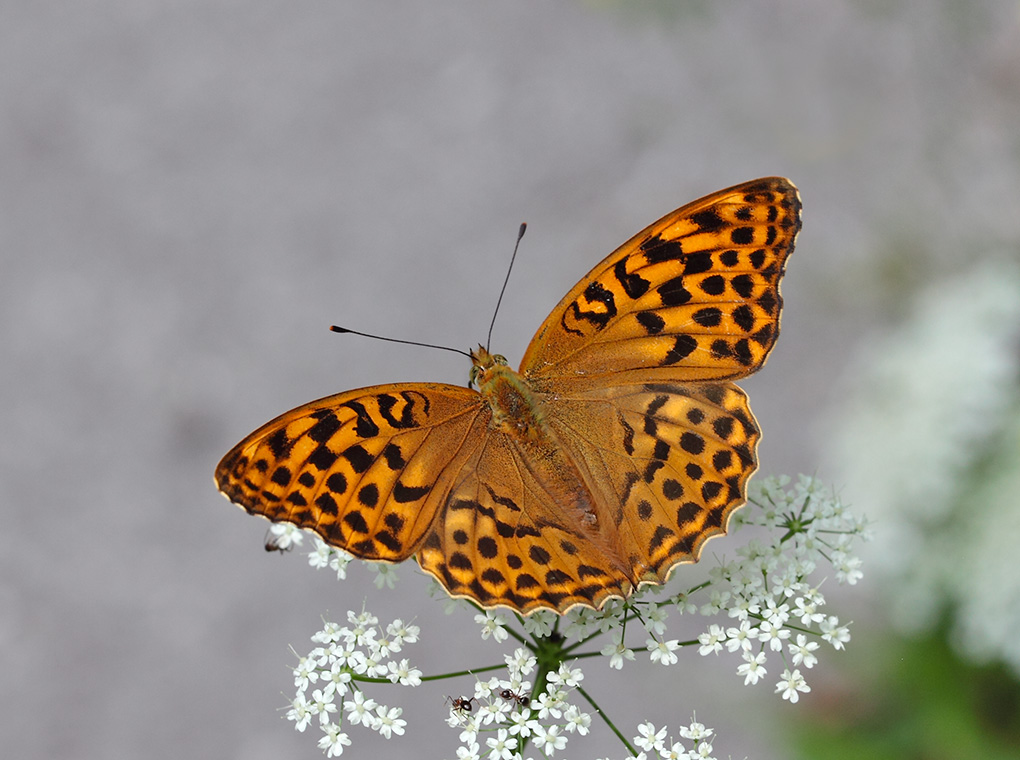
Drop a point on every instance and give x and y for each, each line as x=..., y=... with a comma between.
x=192, y=192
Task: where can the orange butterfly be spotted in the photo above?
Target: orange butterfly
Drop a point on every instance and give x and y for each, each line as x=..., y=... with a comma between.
x=611, y=456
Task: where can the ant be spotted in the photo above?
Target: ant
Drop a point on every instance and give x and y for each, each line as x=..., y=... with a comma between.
x=521, y=700
x=273, y=545
x=461, y=704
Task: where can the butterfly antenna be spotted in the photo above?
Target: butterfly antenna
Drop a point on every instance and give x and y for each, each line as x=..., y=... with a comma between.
x=336, y=329
x=520, y=234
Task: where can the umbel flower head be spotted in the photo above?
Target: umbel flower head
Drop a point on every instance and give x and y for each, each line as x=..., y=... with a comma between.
x=763, y=610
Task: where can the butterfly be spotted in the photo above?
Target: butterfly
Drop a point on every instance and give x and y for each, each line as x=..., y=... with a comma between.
x=617, y=449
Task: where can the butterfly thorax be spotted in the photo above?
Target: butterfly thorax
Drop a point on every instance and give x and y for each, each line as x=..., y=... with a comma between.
x=515, y=410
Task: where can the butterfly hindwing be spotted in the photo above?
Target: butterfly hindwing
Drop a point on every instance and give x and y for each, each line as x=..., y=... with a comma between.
x=510, y=536
x=668, y=463
x=363, y=469
x=695, y=296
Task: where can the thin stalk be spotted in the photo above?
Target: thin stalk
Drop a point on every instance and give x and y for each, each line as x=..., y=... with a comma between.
x=606, y=720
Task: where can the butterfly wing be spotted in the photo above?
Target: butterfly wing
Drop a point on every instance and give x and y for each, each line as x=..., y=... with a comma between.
x=646, y=450
x=368, y=470
x=511, y=535
x=631, y=370
x=669, y=464
x=695, y=296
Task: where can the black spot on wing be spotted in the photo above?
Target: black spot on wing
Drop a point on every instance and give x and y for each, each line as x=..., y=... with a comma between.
x=359, y=458
x=723, y=427
x=714, y=285
x=539, y=555
x=768, y=302
x=365, y=427
x=394, y=457
x=699, y=262
x=403, y=494
x=692, y=443
x=659, y=537
x=356, y=522
x=683, y=346
x=710, y=489
x=369, y=495
x=672, y=489
x=742, y=352
x=653, y=467
x=628, y=435
x=722, y=460
x=743, y=316
x=708, y=317
x=715, y=393
x=323, y=458
x=337, y=483
x=279, y=443
x=493, y=576
x=390, y=541
x=687, y=513
x=742, y=236
x=708, y=220
x=657, y=250
x=673, y=293
x=488, y=547
x=633, y=285
x=743, y=285
x=651, y=321
x=327, y=504
x=406, y=419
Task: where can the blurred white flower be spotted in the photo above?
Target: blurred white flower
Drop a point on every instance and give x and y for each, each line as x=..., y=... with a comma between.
x=927, y=443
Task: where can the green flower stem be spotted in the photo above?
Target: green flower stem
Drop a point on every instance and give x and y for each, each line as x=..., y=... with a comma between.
x=608, y=722
x=437, y=677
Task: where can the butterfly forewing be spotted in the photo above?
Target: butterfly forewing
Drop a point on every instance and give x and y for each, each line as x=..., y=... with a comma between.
x=695, y=296
x=366, y=470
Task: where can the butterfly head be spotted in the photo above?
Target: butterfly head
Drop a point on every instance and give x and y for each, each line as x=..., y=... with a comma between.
x=482, y=363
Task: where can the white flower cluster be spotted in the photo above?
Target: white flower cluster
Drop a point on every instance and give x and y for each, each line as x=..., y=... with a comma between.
x=654, y=744
x=364, y=649
x=501, y=717
x=766, y=591
x=326, y=556
x=282, y=537
x=768, y=604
